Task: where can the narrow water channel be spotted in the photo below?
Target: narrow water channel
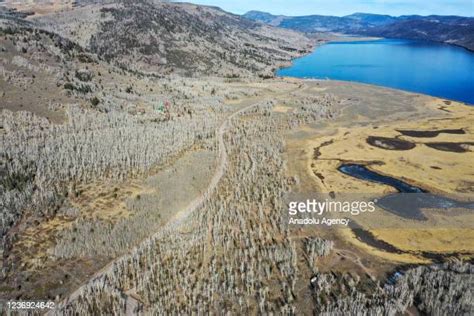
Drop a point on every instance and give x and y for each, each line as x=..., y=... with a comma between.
x=410, y=201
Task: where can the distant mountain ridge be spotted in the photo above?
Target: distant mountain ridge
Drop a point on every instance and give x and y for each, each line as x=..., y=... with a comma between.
x=447, y=29
x=372, y=19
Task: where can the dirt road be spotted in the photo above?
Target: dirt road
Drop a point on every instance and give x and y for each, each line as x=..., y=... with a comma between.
x=176, y=220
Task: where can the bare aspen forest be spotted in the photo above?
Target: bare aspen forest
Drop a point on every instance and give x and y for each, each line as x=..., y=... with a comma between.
x=147, y=155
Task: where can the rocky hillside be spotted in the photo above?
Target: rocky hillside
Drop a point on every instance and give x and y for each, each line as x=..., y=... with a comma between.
x=177, y=38
x=446, y=29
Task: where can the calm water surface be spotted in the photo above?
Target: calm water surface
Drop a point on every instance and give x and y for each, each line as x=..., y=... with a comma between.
x=408, y=205
x=440, y=70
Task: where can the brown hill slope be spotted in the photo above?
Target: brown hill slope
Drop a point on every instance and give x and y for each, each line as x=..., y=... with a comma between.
x=177, y=38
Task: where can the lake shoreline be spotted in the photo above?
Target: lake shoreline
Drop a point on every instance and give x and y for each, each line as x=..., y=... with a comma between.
x=436, y=81
x=357, y=38
x=316, y=152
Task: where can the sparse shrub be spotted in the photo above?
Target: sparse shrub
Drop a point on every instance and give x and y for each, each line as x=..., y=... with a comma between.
x=95, y=101
x=83, y=58
x=69, y=86
x=83, y=75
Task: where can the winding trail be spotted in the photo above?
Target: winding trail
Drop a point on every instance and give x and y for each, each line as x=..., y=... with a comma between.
x=132, y=301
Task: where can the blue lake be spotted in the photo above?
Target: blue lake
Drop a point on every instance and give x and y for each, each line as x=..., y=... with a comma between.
x=439, y=70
